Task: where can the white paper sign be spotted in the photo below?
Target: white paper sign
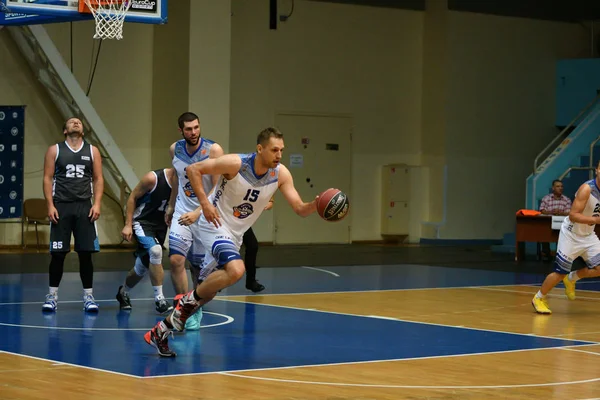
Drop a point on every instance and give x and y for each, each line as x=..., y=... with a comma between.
x=296, y=160
x=557, y=221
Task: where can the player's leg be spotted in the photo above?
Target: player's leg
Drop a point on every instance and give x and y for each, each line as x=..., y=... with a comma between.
x=569, y=247
x=157, y=273
x=251, y=252
x=592, y=259
x=180, y=242
x=134, y=276
x=86, y=243
x=196, y=259
x=60, y=245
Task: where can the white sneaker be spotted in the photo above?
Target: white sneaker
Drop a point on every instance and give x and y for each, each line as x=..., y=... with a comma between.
x=51, y=303
x=89, y=304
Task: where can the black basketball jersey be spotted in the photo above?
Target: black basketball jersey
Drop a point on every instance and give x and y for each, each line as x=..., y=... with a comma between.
x=73, y=173
x=150, y=208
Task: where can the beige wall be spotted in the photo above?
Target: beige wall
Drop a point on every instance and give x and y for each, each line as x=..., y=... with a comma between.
x=501, y=108
x=471, y=91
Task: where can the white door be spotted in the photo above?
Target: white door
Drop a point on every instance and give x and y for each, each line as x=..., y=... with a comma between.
x=318, y=153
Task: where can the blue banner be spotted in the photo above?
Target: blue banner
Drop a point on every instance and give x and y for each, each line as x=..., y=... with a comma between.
x=9, y=19
x=12, y=141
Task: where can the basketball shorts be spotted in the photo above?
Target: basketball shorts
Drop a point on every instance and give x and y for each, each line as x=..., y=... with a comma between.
x=221, y=247
x=73, y=218
x=185, y=240
x=147, y=236
x=570, y=246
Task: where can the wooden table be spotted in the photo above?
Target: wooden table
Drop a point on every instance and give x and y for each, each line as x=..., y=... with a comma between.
x=536, y=229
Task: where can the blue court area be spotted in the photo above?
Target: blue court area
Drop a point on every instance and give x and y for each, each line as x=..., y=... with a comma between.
x=241, y=336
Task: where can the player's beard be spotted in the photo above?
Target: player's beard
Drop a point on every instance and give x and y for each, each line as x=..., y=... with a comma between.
x=78, y=133
x=194, y=142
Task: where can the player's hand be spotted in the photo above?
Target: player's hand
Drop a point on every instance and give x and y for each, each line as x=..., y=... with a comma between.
x=189, y=218
x=53, y=214
x=169, y=215
x=94, y=212
x=269, y=206
x=211, y=214
x=127, y=232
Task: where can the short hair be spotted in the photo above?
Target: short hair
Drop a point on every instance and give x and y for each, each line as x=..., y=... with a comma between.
x=266, y=134
x=555, y=181
x=186, y=117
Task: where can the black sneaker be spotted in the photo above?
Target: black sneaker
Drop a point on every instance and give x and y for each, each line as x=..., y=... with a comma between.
x=160, y=342
x=162, y=306
x=255, y=286
x=124, y=300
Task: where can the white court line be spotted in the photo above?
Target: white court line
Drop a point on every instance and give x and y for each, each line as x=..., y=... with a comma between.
x=413, y=386
x=228, y=320
x=581, y=351
x=323, y=270
x=408, y=321
x=291, y=294
x=365, y=362
x=72, y=365
x=529, y=294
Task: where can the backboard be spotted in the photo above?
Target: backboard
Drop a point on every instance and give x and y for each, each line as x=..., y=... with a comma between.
x=143, y=11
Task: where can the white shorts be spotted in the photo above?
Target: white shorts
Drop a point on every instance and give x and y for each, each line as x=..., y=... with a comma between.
x=185, y=240
x=221, y=247
x=570, y=246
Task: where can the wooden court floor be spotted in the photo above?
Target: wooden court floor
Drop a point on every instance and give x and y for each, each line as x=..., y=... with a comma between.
x=555, y=372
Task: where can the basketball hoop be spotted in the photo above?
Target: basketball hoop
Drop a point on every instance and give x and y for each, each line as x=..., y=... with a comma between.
x=109, y=16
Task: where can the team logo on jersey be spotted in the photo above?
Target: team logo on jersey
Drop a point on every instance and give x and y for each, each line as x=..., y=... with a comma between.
x=243, y=211
x=187, y=189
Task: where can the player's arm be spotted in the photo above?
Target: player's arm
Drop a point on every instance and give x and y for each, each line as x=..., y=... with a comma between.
x=174, y=189
x=216, y=151
x=49, y=165
x=227, y=165
x=145, y=185
x=98, y=184
x=581, y=199
x=286, y=186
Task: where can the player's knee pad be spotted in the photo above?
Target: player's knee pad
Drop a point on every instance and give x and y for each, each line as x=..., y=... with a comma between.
x=139, y=267
x=155, y=253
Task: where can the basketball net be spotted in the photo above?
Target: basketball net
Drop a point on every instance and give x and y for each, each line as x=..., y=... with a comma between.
x=109, y=16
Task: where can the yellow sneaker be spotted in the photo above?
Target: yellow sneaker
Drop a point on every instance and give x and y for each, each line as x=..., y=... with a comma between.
x=540, y=305
x=569, y=288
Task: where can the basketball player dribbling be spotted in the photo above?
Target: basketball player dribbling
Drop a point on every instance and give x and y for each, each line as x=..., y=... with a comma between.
x=246, y=184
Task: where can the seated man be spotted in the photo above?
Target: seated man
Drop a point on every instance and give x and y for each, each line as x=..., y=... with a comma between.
x=555, y=203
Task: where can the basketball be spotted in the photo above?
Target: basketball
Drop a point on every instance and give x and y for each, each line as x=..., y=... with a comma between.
x=333, y=205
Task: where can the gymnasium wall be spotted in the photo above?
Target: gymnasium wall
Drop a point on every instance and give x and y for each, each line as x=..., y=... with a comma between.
x=494, y=99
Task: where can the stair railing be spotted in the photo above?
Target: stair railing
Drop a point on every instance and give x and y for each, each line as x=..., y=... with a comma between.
x=561, y=134
x=592, y=167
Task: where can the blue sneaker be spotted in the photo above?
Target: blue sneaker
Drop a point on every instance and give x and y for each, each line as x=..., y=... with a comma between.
x=89, y=304
x=193, y=322
x=51, y=303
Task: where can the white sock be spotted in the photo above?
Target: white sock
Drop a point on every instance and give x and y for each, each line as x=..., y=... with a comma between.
x=158, y=293
x=539, y=295
x=573, y=277
x=53, y=290
x=87, y=292
x=125, y=289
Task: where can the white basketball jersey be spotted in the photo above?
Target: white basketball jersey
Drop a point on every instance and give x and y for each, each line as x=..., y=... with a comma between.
x=241, y=200
x=592, y=209
x=186, y=198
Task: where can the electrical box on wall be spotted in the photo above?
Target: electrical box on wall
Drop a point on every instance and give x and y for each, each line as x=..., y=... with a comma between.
x=395, y=197
x=577, y=84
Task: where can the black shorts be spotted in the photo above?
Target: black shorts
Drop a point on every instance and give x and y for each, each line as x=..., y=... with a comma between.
x=148, y=236
x=73, y=219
